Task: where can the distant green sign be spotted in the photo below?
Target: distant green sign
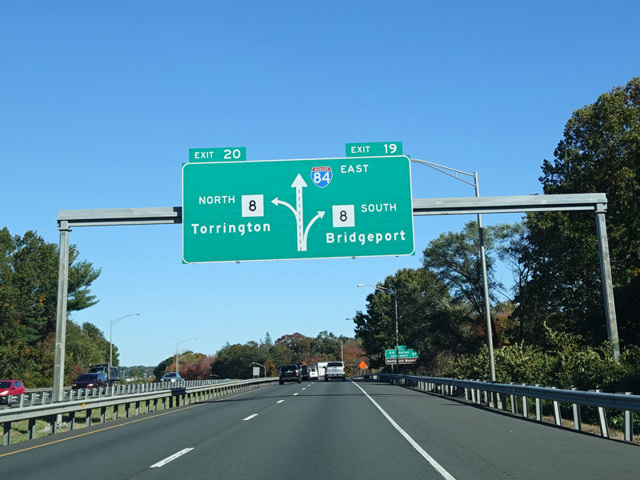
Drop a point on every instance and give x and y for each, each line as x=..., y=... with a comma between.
x=375, y=149
x=405, y=356
x=403, y=352
x=227, y=154
x=291, y=209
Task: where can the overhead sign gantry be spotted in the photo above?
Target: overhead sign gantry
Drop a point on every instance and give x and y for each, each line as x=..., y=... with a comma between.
x=373, y=182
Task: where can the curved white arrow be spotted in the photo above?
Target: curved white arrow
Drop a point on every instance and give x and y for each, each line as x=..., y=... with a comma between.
x=306, y=231
x=277, y=202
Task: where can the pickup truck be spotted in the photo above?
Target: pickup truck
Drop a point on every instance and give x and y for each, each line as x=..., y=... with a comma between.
x=335, y=370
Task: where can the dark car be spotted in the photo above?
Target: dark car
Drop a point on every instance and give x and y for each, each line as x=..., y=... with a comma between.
x=90, y=380
x=9, y=388
x=305, y=372
x=290, y=373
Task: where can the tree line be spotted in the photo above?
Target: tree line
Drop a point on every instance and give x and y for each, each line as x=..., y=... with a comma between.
x=238, y=360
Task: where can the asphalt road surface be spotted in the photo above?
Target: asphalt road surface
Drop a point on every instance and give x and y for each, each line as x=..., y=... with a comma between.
x=318, y=431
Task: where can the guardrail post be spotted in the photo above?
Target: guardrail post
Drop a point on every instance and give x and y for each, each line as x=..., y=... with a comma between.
x=577, y=417
x=556, y=412
x=525, y=405
x=503, y=401
x=6, y=434
x=628, y=423
x=514, y=405
x=32, y=428
x=72, y=421
x=602, y=416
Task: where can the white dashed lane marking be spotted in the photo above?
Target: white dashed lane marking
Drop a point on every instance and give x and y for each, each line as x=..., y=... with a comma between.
x=162, y=463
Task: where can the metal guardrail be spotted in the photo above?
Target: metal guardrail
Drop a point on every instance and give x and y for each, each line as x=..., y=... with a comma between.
x=516, y=398
x=42, y=396
x=141, y=402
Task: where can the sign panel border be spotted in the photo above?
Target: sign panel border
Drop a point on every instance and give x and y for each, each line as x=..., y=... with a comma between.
x=408, y=194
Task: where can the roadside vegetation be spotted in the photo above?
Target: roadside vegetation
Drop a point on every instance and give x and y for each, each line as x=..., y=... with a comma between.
x=549, y=328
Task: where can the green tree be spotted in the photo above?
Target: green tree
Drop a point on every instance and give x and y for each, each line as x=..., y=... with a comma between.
x=454, y=257
x=137, y=374
x=430, y=320
x=600, y=152
x=28, y=298
x=86, y=345
x=234, y=361
x=298, y=347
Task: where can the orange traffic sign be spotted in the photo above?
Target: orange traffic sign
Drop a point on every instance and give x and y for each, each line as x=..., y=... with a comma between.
x=362, y=365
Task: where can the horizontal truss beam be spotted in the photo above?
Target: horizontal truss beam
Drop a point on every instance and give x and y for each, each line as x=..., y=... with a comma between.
x=595, y=202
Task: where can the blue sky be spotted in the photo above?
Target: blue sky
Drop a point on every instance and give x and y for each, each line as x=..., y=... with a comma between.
x=101, y=102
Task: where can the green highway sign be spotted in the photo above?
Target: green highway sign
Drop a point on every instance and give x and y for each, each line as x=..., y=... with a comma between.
x=405, y=355
x=403, y=352
x=227, y=154
x=294, y=209
x=375, y=149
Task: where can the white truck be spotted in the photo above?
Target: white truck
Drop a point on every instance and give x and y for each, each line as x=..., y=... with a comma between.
x=335, y=370
x=322, y=368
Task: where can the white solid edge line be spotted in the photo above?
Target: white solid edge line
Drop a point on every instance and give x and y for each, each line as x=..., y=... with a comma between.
x=250, y=417
x=413, y=443
x=162, y=463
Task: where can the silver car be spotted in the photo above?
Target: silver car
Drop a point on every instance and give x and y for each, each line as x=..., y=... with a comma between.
x=171, y=377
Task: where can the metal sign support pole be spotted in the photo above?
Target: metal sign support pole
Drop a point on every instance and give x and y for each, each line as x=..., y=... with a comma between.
x=61, y=312
x=485, y=288
x=607, y=282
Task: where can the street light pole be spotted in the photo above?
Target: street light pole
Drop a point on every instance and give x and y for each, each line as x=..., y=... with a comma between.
x=395, y=298
x=178, y=343
x=485, y=288
x=111, y=324
x=452, y=172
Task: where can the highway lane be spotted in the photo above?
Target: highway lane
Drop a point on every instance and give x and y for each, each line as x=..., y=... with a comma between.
x=319, y=431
